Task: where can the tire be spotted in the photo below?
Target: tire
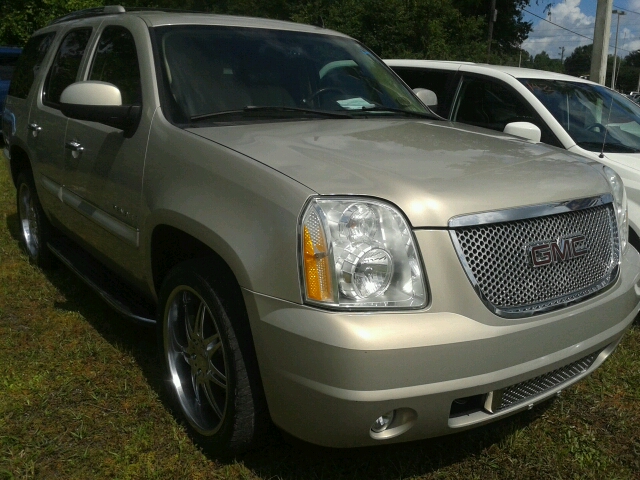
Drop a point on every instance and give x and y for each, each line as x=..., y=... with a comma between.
x=209, y=361
x=35, y=229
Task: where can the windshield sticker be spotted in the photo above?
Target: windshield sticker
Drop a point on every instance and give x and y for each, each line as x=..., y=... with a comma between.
x=357, y=103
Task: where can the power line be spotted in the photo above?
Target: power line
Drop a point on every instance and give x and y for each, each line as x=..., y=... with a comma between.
x=559, y=26
x=568, y=30
x=630, y=11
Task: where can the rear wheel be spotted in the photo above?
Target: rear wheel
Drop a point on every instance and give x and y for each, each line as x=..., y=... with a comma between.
x=209, y=360
x=35, y=229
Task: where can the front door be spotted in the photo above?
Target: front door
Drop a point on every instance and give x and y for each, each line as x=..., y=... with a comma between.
x=103, y=165
x=47, y=124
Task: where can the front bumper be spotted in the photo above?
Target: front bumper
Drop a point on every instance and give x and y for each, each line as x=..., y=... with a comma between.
x=329, y=375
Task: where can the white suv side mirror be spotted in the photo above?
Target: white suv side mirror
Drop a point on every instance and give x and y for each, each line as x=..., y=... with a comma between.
x=524, y=130
x=428, y=97
x=92, y=93
x=100, y=102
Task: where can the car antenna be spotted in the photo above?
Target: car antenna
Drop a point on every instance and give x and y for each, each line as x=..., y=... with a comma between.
x=606, y=129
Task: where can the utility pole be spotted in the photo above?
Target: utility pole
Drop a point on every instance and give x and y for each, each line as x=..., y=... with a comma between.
x=493, y=14
x=615, y=50
x=601, y=41
x=561, y=54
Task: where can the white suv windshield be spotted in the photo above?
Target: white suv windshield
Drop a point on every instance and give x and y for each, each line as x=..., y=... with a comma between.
x=218, y=73
x=596, y=118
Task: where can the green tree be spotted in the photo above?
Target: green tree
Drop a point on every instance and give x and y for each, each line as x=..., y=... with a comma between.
x=20, y=18
x=509, y=30
x=542, y=61
x=437, y=29
x=400, y=28
x=579, y=62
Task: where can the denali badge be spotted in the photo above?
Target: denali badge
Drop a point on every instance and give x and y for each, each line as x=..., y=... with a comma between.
x=548, y=252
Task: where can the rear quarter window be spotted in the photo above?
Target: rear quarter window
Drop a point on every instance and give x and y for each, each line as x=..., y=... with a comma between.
x=441, y=83
x=29, y=63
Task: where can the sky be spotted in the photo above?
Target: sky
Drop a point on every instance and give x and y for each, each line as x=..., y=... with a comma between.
x=578, y=16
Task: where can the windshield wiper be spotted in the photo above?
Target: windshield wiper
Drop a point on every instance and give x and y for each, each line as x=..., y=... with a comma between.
x=251, y=110
x=410, y=113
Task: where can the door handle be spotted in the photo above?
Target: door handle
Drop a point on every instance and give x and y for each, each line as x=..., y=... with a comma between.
x=35, y=129
x=74, y=146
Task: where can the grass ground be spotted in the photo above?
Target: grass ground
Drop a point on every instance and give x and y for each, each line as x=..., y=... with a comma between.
x=81, y=397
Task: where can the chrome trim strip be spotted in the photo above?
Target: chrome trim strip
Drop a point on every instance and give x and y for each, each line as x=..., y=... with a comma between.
x=113, y=225
x=52, y=187
x=522, y=213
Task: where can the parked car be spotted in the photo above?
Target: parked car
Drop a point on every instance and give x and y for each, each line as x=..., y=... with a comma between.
x=8, y=59
x=635, y=96
x=572, y=113
x=314, y=246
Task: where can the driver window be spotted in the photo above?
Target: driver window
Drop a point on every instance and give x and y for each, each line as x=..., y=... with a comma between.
x=64, y=70
x=493, y=105
x=116, y=62
x=490, y=105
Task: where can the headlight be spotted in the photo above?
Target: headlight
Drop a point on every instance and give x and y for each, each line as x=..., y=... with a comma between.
x=620, y=203
x=359, y=253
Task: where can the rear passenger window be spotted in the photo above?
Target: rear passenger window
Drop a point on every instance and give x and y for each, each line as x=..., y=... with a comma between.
x=29, y=63
x=116, y=62
x=65, y=67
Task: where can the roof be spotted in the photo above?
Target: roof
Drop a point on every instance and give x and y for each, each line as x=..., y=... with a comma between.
x=516, y=72
x=162, y=17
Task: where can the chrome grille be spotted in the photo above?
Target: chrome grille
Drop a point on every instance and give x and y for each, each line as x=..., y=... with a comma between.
x=497, y=260
x=521, y=392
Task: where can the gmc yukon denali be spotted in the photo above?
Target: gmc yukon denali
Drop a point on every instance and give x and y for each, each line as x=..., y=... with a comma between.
x=315, y=246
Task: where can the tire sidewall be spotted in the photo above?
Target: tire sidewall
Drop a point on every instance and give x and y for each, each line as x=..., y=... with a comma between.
x=42, y=257
x=192, y=276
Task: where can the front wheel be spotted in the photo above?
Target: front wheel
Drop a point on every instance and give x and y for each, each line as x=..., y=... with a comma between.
x=35, y=229
x=209, y=360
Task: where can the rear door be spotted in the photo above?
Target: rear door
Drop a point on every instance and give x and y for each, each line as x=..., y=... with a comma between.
x=15, y=116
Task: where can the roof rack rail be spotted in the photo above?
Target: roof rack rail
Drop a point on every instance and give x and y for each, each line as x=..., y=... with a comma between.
x=89, y=12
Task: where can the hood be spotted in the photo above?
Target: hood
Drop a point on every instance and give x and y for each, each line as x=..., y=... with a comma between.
x=629, y=161
x=432, y=170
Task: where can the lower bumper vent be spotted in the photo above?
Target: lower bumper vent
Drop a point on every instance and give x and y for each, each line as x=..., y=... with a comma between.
x=521, y=392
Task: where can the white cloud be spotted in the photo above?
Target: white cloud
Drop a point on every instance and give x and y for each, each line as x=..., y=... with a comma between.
x=628, y=37
x=551, y=38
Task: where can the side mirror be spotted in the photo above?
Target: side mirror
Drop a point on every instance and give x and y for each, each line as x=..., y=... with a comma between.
x=99, y=102
x=428, y=97
x=525, y=130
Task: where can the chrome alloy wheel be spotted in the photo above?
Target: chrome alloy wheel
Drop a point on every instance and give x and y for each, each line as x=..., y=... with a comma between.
x=197, y=360
x=28, y=219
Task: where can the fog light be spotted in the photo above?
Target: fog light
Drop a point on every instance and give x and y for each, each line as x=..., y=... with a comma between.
x=383, y=422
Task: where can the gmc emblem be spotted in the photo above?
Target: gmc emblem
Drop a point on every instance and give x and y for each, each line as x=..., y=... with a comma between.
x=561, y=250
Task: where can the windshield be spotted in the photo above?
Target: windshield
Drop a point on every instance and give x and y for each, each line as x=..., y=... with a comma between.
x=215, y=73
x=593, y=115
